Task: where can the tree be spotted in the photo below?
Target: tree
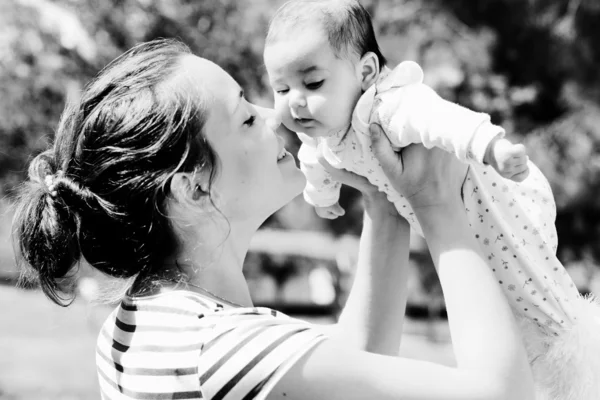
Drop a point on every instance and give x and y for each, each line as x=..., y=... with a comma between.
x=51, y=49
x=531, y=64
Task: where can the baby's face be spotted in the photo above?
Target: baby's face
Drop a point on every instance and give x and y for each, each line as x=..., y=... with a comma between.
x=315, y=91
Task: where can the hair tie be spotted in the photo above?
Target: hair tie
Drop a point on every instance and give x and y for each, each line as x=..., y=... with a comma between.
x=50, y=184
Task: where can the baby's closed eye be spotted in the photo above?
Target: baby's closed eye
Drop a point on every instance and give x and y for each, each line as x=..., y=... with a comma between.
x=315, y=85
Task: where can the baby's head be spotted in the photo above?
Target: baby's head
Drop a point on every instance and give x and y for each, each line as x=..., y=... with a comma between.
x=320, y=57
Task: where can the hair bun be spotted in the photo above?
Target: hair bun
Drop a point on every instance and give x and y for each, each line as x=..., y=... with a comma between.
x=47, y=229
x=41, y=166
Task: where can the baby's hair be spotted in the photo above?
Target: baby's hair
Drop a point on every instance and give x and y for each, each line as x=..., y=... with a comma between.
x=347, y=23
x=99, y=193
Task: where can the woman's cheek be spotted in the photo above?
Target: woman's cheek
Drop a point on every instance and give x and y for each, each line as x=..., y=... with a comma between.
x=250, y=165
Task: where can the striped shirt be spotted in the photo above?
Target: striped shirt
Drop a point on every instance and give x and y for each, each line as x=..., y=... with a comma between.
x=179, y=345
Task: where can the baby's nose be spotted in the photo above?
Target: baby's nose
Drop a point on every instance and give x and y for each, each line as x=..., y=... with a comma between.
x=297, y=99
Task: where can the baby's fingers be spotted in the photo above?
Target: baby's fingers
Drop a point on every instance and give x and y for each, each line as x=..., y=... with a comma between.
x=518, y=150
x=337, y=210
x=390, y=161
x=331, y=213
x=521, y=173
x=518, y=160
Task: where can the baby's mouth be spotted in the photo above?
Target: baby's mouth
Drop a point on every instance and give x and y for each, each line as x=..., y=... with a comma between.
x=304, y=121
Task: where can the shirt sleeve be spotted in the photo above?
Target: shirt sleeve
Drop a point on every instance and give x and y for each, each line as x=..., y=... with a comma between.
x=255, y=351
x=412, y=112
x=321, y=189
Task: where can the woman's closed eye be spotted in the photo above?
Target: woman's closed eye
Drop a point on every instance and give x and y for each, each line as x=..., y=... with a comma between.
x=315, y=85
x=250, y=121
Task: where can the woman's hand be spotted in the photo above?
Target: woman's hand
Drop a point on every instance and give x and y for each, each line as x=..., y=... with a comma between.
x=373, y=198
x=424, y=177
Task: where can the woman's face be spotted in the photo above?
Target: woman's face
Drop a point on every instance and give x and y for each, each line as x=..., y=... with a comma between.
x=253, y=180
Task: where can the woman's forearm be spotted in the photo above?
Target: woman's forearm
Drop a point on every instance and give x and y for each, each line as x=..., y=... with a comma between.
x=482, y=326
x=373, y=316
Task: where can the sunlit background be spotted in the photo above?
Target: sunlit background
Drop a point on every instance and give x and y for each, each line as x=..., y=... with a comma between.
x=531, y=64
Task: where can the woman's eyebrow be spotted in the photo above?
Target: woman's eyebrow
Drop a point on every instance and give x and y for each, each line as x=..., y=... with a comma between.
x=238, y=100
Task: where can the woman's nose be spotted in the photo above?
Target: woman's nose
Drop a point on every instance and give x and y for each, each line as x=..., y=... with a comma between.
x=272, y=120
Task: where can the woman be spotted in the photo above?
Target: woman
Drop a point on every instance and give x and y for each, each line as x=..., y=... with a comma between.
x=162, y=173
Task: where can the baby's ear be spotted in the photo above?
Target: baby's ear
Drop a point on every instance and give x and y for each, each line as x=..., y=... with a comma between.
x=369, y=70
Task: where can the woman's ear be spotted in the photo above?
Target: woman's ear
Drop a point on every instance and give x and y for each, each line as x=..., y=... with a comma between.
x=186, y=186
x=369, y=70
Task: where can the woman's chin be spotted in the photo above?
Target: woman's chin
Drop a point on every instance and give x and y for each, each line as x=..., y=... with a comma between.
x=297, y=185
x=269, y=200
x=286, y=197
x=288, y=192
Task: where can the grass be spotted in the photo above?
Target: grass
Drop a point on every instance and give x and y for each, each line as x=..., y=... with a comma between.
x=48, y=352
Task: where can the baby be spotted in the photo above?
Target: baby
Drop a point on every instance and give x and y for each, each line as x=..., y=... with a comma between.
x=330, y=82
x=318, y=77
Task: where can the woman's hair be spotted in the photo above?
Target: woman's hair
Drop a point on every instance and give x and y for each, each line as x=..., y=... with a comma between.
x=114, y=155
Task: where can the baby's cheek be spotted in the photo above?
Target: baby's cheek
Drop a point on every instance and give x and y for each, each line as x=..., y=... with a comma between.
x=325, y=108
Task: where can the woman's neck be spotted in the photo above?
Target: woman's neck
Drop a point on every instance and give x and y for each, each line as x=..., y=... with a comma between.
x=214, y=263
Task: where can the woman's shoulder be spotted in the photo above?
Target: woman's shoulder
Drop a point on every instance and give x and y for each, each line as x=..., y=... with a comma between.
x=241, y=349
x=183, y=312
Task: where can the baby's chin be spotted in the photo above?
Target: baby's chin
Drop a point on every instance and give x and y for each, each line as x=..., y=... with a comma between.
x=315, y=130
x=323, y=131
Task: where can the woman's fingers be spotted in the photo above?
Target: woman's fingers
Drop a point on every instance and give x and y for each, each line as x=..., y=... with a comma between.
x=390, y=161
x=346, y=177
x=428, y=174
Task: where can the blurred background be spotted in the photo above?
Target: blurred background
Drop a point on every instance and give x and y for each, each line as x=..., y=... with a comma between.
x=532, y=64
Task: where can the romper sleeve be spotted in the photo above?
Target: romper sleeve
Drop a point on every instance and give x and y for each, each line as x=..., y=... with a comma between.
x=321, y=189
x=257, y=347
x=412, y=112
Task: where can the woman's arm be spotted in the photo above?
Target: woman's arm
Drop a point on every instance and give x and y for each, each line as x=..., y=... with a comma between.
x=492, y=363
x=484, y=333
x=482, y=326
x=491, y=360
x=373, y=315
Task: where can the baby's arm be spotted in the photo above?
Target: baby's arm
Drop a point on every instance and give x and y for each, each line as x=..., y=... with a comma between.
x=415, y=113
x=321, y=190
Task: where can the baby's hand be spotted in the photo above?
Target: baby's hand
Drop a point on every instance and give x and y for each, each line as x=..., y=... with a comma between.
x=509, y=160
x=330, y=212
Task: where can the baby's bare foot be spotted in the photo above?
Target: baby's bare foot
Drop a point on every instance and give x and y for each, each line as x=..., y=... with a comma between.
x=508, y=159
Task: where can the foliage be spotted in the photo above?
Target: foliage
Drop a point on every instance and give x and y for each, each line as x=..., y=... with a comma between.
x=531, y=64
